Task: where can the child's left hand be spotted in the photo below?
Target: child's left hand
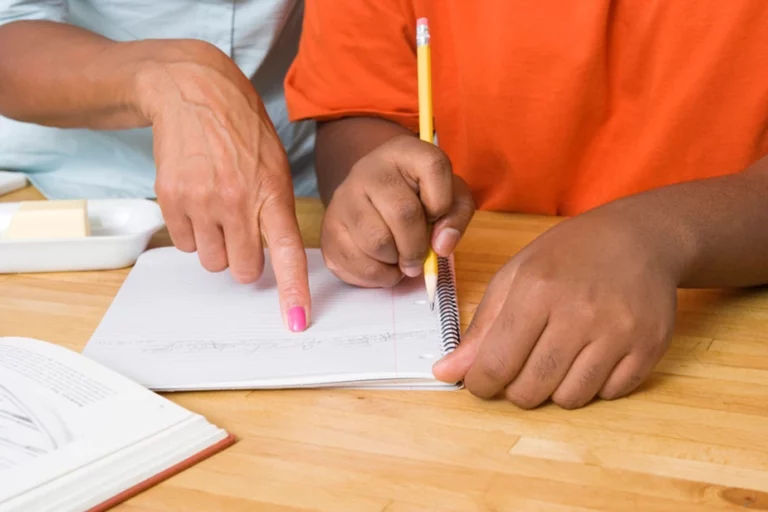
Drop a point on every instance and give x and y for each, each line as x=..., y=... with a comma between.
x=586, y=309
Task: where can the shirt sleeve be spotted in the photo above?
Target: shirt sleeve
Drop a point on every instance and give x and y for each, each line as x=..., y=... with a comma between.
x=355, y=58
x=18, y=10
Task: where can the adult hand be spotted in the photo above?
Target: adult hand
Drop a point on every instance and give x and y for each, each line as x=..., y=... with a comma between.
x=223, y=179
x=587, y=309
x=376, y=227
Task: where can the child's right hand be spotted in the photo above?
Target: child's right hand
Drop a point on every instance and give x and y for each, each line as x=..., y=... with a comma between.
x=376, y=230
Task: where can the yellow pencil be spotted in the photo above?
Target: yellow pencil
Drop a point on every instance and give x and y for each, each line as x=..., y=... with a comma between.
x=426, y=133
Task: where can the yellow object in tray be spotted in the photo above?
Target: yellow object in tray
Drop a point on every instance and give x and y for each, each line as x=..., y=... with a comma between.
x=49, y=219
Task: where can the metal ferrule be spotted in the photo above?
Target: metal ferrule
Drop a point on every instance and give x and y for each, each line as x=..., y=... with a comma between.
x=422, y=35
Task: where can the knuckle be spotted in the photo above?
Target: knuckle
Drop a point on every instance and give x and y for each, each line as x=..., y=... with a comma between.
x=625, y=320
x=495, y=368
x=328, y=240
x=371, y=272
x=435, y=163
x=588, y=379
x=467, y=201
x=197, y=194
x=273, y=184
x=545, y=366
x=622, y=388
x=344, y=255
x=285, y=242
x=465, y=205
x=333, y=250
x=331, y=260
x=246, y=276
x=248, y=271
x=588, y=311
x=536, y=279
x=657, y=348
x=184, y=244
x=634, y=382
x=389, y=279
x=440, y=206
x=648, y=349
x=344, y=277
x=413, y=256
x=523, y=398
x=232, y=196
x=569, y=400
x=657, y=341
x=165, y=190
x=356, y=217
x=584, y=312
x=332, y=265
x=380, y=241
x=409, y=211
x=332, y=221
x=610, y=394
x=214, y=262
x=389, y=180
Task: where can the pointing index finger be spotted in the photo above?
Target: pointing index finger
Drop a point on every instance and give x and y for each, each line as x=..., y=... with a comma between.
x=289, y=261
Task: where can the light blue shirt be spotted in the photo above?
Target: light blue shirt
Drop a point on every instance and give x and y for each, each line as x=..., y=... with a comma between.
x=261, y=36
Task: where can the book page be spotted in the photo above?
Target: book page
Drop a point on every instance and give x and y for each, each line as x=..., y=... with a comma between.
x=174, y=325
x=59, y=411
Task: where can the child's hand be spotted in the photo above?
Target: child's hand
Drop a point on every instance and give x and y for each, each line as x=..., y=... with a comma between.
x=586, y=309
x=375, y=228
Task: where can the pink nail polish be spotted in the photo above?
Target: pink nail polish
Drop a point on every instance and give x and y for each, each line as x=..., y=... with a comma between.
x=297, y=319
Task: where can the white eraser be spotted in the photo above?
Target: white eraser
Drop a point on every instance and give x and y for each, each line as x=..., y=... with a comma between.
x=10, y=181
x=49, y=219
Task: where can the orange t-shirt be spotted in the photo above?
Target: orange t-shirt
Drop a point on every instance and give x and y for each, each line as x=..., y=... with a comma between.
x=552, y=106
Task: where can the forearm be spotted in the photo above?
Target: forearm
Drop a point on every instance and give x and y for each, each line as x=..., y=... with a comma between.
x=340, y=144
x=712, y=233
x=61, y=75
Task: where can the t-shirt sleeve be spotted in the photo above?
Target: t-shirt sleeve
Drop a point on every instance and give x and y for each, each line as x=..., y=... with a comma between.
x=18, y=10
x=355, y=58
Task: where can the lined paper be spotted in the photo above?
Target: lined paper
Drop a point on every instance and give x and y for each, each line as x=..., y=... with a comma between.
x=175, y=326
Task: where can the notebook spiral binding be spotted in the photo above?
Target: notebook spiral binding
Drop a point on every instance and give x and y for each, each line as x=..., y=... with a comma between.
x=447, y=305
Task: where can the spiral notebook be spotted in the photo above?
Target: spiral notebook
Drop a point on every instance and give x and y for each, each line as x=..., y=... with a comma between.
x=174, y=326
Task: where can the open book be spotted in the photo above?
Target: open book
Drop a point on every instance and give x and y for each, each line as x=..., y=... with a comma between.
x=76, y=436
x=175, y=326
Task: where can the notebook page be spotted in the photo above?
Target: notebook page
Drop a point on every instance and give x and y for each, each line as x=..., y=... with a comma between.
x=175, y=326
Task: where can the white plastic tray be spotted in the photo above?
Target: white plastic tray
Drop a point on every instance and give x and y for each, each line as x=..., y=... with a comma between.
x=10, y=181
x=120, y=232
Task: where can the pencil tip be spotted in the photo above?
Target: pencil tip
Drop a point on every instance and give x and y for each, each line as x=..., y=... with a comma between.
x=431, y=305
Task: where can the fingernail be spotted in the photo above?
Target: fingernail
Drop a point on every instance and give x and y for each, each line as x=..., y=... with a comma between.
x=440, y=366
x=446, y=241
x=411, y=271
x=297, y=319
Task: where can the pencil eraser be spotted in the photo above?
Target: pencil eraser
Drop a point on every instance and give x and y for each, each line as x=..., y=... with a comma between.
x=421, y=22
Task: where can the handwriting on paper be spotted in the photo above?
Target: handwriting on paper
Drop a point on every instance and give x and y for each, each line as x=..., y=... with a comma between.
x=250, y=346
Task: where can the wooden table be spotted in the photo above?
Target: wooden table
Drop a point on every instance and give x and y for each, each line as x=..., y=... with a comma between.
x=695, y=437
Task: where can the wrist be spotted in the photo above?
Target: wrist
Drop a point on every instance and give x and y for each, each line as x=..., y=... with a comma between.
x=669, y=246
x=341, y=143
x=162, y=71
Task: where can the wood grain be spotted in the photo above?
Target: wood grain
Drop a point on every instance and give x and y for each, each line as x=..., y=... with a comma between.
x=694, y=437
